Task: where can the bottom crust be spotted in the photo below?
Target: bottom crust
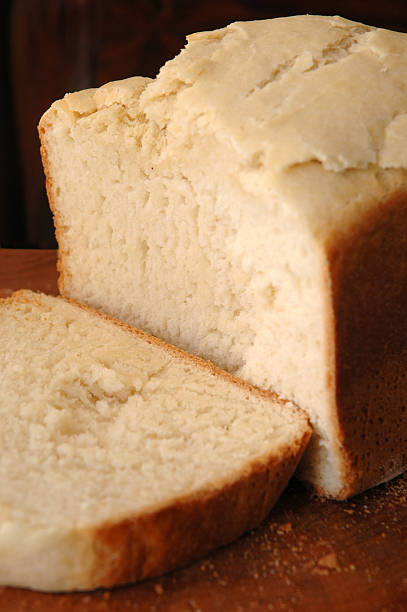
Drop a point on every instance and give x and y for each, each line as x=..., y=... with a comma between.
x=174, y=536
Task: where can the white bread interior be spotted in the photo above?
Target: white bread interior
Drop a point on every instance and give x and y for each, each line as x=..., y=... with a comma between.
x=203, y=205
x=121, y=456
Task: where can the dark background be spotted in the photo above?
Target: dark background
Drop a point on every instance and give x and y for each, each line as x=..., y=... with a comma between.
x=50, y=47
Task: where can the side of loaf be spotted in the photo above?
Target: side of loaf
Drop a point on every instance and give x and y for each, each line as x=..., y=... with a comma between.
x=123, y=457
x=249, y=205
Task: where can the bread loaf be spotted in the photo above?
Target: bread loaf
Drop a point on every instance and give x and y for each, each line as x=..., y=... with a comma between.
x=249, y=205
x=121, y=456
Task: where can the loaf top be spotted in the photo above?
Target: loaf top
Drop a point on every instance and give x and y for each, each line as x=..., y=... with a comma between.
x=315, y=108
x=310, y=89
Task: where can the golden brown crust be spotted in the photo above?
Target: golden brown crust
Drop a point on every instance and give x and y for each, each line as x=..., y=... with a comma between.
x=58, y=222
x=369, y=290
x=309, y=470
x=170, y=538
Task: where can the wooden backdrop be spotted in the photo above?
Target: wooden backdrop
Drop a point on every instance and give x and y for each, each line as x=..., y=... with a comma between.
x=50, y=47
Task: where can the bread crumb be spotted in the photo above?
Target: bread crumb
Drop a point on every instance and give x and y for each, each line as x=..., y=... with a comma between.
x=330, y=561
x=286, y=527
x=158, y=588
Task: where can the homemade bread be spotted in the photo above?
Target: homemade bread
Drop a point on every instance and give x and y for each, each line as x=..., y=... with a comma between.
x=249, y=205
x=123, y=457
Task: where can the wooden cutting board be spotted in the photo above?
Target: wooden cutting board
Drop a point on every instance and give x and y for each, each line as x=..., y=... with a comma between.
x=309, y=555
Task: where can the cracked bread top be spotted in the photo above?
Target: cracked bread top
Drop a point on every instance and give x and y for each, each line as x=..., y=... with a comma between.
x=307, y=88
x=315, y=108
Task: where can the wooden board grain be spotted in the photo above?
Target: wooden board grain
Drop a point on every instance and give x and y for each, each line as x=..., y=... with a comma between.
x=309, y=555
x=20, y=269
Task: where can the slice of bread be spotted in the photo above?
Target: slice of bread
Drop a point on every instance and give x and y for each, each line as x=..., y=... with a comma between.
x=250, y=205
x=123, y=457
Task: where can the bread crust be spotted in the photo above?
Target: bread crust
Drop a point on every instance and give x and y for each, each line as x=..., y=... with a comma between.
x=171, y=538
x=368, y=267
x=44, y=124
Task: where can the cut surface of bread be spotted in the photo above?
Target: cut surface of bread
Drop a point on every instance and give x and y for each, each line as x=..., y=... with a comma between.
x=250, y=205
x=121, y=456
